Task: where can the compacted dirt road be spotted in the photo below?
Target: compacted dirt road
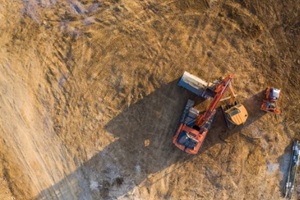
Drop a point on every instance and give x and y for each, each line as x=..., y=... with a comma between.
x=89, y=98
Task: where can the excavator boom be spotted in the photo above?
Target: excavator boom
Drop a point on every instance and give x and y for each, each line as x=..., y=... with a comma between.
x=220, y=90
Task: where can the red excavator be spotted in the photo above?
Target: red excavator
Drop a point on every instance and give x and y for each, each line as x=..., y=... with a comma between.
x=194, y=126
x=270, y=102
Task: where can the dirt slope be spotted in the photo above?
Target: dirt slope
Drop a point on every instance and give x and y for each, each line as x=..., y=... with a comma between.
x=89, y=100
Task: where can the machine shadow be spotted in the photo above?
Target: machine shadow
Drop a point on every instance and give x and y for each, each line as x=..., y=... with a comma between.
x=143, y=146
x=219, y=132
x=284, y=164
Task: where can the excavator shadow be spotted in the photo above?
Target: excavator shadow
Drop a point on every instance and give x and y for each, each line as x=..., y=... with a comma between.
x=219, y=132
x=142, y=147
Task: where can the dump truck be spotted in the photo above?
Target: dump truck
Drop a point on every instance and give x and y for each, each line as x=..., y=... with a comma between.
x=194, y=125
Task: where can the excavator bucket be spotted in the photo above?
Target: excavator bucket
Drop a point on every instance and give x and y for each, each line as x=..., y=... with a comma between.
x=196, y=85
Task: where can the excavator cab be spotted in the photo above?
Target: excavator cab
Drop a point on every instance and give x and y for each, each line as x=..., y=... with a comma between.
x=187, y=140
x=272, y=94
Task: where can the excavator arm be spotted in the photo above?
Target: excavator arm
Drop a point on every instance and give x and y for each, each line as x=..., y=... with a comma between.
x=221, y=88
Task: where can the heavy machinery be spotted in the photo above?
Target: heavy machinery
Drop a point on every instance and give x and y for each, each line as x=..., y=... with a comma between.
x=294, y=163
x=194, y=126
x=270, y=102
x=234, y=112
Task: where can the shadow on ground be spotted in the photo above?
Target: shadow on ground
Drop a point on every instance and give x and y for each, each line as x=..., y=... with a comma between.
x=219, y=132
x=143, y=147
x=284, y=164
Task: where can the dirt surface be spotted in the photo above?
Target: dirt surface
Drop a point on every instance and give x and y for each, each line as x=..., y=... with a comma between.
x=89, y=98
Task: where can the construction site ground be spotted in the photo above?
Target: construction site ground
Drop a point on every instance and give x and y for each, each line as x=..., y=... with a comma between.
x=89, y=100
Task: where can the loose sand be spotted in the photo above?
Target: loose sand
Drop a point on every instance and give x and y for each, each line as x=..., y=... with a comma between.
x=89, y=101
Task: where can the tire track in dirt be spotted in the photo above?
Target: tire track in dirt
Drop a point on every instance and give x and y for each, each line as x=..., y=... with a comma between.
x=194, y=37
x=149, y=51
x=29, y=147
x=163, y=55
x=221, y=24
x=71, y=108
x=63, y=84
x=156, y=15
x=271, y=39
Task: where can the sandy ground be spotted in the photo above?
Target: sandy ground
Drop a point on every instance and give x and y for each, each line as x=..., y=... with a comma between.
x=89, y=98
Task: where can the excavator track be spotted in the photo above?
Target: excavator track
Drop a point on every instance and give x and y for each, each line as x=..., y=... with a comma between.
x=186, y=116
